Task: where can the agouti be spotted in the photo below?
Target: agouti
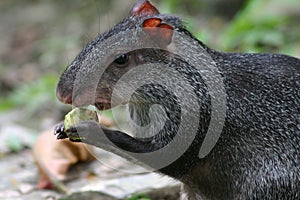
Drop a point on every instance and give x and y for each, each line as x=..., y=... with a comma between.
x=181, y=92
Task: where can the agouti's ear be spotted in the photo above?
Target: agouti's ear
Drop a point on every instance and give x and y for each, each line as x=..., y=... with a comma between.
x=143, y=8
x=160, y=31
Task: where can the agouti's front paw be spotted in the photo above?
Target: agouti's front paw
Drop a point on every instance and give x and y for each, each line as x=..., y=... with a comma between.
x=63, y=133
x=85, y=131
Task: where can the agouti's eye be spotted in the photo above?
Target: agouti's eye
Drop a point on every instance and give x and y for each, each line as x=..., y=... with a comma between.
x=122, y=60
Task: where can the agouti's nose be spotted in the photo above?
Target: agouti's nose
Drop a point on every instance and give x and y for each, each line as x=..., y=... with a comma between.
x=64, y=95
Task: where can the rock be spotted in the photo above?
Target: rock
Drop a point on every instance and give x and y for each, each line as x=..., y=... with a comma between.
x=124, y=187
x=9, y=194
x=26, y=188
x=90, y=196
x=41, y=195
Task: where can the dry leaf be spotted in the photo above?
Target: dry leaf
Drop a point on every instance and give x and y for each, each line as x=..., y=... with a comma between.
x=54, y=158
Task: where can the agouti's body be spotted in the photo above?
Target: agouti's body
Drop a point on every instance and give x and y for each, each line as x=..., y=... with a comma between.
x=257, y=154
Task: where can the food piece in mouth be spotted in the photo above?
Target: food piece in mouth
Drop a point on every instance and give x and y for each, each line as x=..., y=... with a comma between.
x=79, y=114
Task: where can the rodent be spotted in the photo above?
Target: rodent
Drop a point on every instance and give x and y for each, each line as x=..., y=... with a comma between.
x=257, y=155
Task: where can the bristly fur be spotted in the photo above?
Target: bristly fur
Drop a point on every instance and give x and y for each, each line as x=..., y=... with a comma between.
x=257, y=155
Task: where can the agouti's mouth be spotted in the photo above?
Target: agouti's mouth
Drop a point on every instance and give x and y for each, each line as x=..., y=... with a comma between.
x=103, y=104
x=99, y=103
x=85, y=99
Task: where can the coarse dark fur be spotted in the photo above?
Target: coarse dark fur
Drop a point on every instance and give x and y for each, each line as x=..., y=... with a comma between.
x=257, y=155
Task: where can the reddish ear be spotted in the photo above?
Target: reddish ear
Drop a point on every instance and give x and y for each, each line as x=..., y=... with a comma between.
x=152, y=23
x=143, y=7
x=159, y=30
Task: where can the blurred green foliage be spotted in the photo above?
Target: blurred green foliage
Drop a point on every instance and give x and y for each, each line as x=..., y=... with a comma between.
x=264, y=26
x=33, y=95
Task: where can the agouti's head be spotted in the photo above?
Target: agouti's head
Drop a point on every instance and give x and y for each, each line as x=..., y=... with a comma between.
x=110, y=57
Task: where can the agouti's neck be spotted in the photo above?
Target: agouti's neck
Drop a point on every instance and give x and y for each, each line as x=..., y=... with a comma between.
x=155, y=113
x=165, y=120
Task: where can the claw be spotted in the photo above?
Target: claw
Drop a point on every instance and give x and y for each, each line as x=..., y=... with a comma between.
x=60, y=128
x=61, y=136
x=60, y=131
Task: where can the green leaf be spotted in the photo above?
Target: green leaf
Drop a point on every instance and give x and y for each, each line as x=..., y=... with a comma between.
x=139, y=197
